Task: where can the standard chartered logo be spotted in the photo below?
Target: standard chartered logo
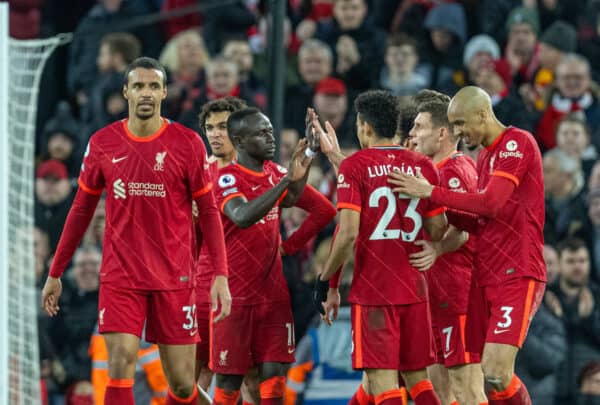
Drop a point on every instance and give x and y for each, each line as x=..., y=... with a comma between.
x=138, y=189
x=119, y=189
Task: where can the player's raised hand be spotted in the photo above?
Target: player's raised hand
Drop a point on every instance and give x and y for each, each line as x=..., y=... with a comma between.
x=412, y=186
x=424, y=259
x=50, y=295
x=219, y=293
x=300, y=162
x=328, y=141
x=331, y=306
x=310, y=133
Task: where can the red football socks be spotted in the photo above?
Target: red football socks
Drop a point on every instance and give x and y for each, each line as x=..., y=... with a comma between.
x=423, y=394
x=515, y=394
x=271, y=391
x=223, y=397
x=119, y=391
x=173, y=399
x=360, y=397
x=391, y=397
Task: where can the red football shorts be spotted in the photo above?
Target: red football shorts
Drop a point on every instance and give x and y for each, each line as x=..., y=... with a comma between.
x=449, y=334
x=393, y=337
x=502, y=313
x=204, y=315
x=170, y=316
x=252, y=335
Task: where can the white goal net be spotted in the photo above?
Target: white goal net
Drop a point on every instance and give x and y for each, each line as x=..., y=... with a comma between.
x=21, y=65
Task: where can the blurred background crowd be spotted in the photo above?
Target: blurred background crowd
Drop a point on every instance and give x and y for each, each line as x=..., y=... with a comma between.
x=539, y=60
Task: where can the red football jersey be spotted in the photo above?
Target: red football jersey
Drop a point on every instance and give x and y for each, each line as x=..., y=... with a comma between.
x=450, y=277
x=204, y=272
x=150, y=182
x=510, y=245
x=389, y=224
x=255, y=268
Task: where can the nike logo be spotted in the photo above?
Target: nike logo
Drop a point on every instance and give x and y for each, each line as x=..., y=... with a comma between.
x=117, y=160
x=193, y=332
x=255, y=188
x=290, y=351
x=499, y=331
x=446, y=355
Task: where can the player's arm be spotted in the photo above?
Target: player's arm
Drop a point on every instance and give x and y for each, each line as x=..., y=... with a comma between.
x=79, y=217
x=452, y=241
x=342, y=248
x=321, y=212
x=436, y=226
x=246, y=213
x=487, y=203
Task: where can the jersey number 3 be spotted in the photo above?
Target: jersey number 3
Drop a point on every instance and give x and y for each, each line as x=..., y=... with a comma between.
x=382, y=231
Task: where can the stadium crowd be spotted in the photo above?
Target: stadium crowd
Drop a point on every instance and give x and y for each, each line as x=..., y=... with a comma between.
x=539, y=61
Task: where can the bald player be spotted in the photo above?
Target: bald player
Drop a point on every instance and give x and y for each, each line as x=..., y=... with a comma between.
x=507, y=214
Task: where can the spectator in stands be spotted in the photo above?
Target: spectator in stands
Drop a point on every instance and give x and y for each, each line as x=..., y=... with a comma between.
x=480, y=52
x=259, y=43
x=398, y=75
x=589, y=384
x=238, y=51
x=573, y=92
x=331, y=104
x=565, y=204
x=71, y=331
x=523, y=26
x=185, y=58
x=557, y=41
x=117, y=50
x=222, y=79
x=105, y=17
x=594, y=179
x=357, y=44
x=552, y=263
x=573, y=137
x=591, y=232
x=589, y=40
x=495, y=79
x=61, y=139
x=576, y=301
x=287, y=143
x=442, y=55
x=542, y=354
x=315, y=62
x=94, y=236
x=53, y=197
x=228, y=20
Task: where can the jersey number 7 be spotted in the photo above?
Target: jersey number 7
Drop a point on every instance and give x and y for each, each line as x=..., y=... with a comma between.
x=382, y=231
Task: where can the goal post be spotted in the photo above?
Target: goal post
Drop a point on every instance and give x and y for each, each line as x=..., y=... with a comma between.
x=21, y=66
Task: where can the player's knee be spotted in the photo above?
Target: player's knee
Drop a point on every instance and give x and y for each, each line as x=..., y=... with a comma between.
x=121, y=359
x=229, y=383
x=182, y=389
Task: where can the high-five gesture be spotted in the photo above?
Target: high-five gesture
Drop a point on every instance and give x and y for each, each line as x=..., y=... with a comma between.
x=300, y=162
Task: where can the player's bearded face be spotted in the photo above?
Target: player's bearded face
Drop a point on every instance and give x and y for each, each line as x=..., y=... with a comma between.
x=144, y=92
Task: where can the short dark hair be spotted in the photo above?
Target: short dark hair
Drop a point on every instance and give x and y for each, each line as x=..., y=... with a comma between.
x=401, y=39
x=123, y=43
x=408, y=113
x=576, y=117
x=229, y=103
x=438, y=111
x=380, y=109
x=235, y=121
x=570, y=244
x=430, y=95
x=145, y=63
